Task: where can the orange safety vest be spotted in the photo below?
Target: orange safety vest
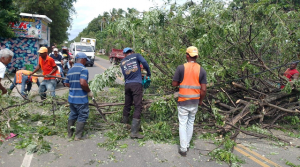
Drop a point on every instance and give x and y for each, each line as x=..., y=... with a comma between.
x=56, y=73
x=25, y=72
x=189, y=88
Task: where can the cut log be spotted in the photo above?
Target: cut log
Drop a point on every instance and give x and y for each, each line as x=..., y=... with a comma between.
x=282, y=109
x=244, y=88
x=238, y=117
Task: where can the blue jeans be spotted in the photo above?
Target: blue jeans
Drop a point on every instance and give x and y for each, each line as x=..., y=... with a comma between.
x=186, y=116
x=79, y=112
x=25, y=82
x=49, y=85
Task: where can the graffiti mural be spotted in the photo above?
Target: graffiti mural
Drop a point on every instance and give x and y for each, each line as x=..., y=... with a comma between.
x=28, y=27
x=25, y=51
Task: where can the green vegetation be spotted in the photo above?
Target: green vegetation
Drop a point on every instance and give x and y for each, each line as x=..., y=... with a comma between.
x=8, y=13
x=103, y=56
x=291, y=164
x=59, y=11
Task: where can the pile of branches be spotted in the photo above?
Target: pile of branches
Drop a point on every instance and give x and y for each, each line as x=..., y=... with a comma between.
x=262, y=104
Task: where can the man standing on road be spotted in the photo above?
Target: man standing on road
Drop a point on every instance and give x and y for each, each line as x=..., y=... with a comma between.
x=5, y=58
x=131, y=70
x=191, y=79
x=49, y=68
x=77, y=80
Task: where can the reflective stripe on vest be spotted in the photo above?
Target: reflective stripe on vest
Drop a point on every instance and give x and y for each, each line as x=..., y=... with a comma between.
x=189, y=96
x=57, y=73
x=189, y=88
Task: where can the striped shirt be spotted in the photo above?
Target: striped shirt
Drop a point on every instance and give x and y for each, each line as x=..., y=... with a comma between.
x=76, y=94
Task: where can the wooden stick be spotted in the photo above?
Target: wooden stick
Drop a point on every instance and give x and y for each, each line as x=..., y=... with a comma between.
x=258, y=135
x=98, y=109
x=228, y=97
x=238, y=117
x=49, y=77
x=282, y=109
x=225, y=105
x=250, y=98
x=53, y=109
x=242, y=87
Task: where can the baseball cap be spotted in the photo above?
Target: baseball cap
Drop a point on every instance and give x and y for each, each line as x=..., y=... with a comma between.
x=82, y=55
x=192, y=51
x=125, y=50
x=55, y=49
x=43, y=50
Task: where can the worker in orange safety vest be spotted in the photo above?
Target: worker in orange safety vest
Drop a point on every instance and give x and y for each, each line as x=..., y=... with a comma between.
x=191, y=79
x=22, y=78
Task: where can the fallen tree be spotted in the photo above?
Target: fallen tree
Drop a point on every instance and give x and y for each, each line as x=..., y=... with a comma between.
x=244, y=49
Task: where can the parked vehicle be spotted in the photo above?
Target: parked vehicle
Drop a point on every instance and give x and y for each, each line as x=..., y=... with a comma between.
x=116, y=56
x=90, y=41
x=83, y=47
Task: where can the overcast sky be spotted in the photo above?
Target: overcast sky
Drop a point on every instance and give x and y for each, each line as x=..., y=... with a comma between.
x=87, y=10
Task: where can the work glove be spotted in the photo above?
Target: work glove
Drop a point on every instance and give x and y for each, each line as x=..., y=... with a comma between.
x=90, y=94
x=146, y=82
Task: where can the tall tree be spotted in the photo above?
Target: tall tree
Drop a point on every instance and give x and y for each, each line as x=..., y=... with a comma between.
x=8, y=13
x=59, y=11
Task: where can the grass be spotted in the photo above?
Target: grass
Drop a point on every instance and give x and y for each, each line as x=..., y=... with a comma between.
x=102, y=56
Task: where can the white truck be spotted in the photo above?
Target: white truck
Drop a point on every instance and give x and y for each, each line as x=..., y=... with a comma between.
x=90, y=41
x=87, y=48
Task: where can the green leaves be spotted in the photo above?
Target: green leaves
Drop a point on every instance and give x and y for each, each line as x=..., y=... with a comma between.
x=224, y=152
x=8, y=13
x=107, y=78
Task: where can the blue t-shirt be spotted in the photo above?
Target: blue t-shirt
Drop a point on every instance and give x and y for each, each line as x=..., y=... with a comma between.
x=76, y=94
x=131, y=69
x=58, y=58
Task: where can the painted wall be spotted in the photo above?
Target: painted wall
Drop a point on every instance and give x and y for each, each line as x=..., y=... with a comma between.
x=25, y=51
x=30, y=28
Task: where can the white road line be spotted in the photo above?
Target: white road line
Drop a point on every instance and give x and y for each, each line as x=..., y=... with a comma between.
x=27, y=160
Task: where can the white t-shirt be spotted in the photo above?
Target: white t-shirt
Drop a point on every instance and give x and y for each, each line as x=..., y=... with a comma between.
x=2, y=70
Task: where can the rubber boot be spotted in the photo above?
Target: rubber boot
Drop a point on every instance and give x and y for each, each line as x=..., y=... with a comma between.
x=125, y=120
x=79, y=130
x=70, y=130
x=43, y=97
x=135, y=129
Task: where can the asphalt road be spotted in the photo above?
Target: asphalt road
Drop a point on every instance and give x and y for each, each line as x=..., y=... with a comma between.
x=64, y=153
